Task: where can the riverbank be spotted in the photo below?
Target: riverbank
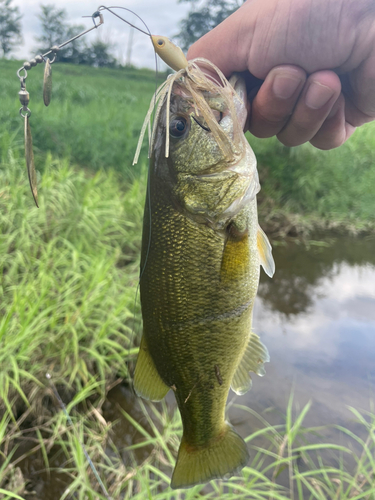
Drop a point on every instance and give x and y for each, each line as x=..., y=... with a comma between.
x=306, y=190
x=303, y=189
x=69, y=273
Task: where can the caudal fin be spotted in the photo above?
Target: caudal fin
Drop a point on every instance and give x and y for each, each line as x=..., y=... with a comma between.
x=222, y=456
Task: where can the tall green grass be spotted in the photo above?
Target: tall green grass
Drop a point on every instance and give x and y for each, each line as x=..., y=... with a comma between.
x=95, y=117
x=68, y=272
x=68, y=278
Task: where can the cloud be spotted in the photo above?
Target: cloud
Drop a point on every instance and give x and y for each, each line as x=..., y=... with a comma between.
x=325, y=353
x=341, y=303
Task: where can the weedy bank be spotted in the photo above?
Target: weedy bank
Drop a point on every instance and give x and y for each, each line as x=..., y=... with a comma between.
x=69, y=273
x=95, y=117
x=305, y=189
x=68, y=276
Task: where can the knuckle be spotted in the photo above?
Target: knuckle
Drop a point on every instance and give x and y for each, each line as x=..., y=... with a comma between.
x=326, y=143
x=261, y=133
x=305, y=128
x=296, y=134
x=289, y=141
x=273, y=116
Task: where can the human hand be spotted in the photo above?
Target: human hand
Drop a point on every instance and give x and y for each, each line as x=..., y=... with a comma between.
x=317, y=60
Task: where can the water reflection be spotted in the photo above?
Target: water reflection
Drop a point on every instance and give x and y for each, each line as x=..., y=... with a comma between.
x=317, y=318
x=299, y=271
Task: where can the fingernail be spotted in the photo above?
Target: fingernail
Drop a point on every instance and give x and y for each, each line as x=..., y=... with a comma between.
x=317, y=95
x=285, y=86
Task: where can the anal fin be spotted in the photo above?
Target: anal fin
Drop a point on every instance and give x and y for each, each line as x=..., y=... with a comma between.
x=147, y=381
x=255, y=355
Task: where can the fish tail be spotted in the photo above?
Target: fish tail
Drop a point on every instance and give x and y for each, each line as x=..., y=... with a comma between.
x=224, y=455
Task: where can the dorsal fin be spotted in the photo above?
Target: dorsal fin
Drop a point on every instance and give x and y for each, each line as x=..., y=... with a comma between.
x=265, y=253
x=255, y=355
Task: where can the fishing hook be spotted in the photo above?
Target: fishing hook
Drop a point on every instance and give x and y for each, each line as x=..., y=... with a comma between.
x=202, y=126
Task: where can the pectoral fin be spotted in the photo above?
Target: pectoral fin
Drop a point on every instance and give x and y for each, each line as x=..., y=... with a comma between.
x=265, y=253
x=255, y=355
x=147, y=382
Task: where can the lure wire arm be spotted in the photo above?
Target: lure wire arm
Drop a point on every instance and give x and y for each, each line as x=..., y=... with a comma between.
x=41, y=58
x=103, y=7
x=97, y=14
x=24, y=97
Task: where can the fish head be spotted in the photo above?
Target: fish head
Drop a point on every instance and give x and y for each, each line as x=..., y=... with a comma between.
x=211, y=168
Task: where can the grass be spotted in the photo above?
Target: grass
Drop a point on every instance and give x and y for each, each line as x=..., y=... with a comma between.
x=69, y=273
x=321, y=189
x=289, y=465
x=95, y=117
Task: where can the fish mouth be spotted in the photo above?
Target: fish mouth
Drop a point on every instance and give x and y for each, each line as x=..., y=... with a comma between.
x=234, y=182
x=238, y=84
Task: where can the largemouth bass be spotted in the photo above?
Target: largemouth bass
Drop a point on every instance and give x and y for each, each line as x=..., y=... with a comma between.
x=201, y=254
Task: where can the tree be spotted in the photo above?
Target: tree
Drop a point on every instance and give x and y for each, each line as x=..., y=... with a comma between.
x=10, y=26
x=98, y=54
x=204, y=18
x=55, y=30
x=53, y=26
x=74, y=52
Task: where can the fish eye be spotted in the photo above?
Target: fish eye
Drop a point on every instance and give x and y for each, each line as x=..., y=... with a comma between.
x=178, y=127
x=160, y=42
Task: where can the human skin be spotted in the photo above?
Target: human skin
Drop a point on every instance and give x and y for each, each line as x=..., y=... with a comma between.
x=317, y=62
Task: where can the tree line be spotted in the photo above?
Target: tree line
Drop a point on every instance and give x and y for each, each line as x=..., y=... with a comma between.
x=54, y=29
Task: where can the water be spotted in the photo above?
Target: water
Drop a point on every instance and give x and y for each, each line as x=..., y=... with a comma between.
x=317, y=318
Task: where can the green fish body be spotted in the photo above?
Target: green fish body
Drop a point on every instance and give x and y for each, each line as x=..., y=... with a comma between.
x=201, y=254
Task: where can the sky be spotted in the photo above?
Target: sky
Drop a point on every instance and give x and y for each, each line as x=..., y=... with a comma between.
x=162, y=18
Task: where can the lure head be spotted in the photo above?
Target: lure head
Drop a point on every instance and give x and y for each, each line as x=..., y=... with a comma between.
x=170, y=53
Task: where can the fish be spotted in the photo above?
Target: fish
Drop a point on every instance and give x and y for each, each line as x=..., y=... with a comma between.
x=201, y=253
